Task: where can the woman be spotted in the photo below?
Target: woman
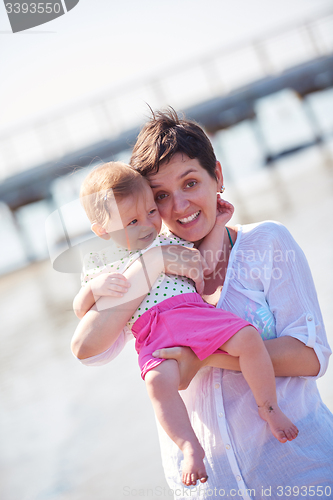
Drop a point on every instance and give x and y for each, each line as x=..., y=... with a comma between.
x=263, y=277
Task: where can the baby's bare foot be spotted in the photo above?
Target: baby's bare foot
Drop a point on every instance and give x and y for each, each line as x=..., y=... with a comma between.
x=282, y=428
x=193, y=467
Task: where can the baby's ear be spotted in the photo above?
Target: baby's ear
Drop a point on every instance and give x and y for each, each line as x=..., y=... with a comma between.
x=100, y=231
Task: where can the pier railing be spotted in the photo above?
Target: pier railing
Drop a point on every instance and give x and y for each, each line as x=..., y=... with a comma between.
x=215, y=74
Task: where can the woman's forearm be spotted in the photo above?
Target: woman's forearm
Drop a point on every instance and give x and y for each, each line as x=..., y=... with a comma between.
x=211, y=248
x=290, y=358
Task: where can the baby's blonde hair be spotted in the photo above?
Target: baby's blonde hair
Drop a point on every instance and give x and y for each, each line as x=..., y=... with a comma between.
x=105, y=182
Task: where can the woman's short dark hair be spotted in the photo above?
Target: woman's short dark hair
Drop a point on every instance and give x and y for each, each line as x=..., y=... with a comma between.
x=165, y=135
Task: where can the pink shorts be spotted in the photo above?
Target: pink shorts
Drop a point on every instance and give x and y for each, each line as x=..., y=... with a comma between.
x=183, y=320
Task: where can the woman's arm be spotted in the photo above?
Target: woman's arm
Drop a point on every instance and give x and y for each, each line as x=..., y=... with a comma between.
x=102, y=324
x=290, y=358
x=301, y=347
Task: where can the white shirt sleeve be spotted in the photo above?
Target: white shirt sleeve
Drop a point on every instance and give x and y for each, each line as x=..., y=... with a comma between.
x=292, y=297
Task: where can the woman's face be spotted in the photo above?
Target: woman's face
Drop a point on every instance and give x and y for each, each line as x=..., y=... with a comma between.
x=185, y=195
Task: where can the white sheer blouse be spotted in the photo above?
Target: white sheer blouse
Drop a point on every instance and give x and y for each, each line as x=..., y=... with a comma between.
x=269, y=284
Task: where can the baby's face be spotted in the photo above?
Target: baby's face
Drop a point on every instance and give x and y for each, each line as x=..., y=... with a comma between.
x=140, y=219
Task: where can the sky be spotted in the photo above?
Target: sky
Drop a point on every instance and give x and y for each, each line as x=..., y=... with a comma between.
x=101, y=43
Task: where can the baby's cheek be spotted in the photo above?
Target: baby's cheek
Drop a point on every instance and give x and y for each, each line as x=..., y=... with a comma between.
x=158, y=226
x=162, y=210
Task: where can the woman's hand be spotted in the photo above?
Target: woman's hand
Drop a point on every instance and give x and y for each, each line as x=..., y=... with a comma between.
x=185, y=261
x=189, y=364
x=224, y=211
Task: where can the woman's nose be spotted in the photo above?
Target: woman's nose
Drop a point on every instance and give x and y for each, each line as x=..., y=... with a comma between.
x=180, y=203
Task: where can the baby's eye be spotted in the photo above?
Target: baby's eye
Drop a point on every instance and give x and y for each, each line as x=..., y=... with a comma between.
x=134, y=221
x=191, y=183
x=152, y=211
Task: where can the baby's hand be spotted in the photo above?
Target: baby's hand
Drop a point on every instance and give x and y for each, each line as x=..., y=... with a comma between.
x=110, y=285
x=224, y=211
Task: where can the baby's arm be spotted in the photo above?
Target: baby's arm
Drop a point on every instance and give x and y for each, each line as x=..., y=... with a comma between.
x=105, y=284
x=212, y=246
x=162, y=386
x=101, y=326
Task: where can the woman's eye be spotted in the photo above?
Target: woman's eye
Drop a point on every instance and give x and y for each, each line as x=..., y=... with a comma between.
x=160, y=197
x=191, y=183
x=134, y=221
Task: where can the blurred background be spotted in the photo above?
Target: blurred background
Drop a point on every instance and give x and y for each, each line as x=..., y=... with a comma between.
x=258, y=76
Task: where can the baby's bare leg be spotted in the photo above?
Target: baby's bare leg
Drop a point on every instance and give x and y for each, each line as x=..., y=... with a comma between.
x=258, y=371
x=162, y=385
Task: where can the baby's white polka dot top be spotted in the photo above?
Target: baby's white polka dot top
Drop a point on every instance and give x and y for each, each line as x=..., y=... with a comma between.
x=116, y=259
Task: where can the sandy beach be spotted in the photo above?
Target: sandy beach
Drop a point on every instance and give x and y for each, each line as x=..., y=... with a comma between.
x=69, y=432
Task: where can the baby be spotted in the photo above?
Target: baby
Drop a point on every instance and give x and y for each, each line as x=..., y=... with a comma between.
x=120, y=205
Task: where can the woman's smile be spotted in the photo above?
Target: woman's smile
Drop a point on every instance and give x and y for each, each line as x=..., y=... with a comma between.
x=187, y=220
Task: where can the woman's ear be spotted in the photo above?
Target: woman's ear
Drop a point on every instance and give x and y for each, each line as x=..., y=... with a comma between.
x=100, y=231
x=219, y=176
